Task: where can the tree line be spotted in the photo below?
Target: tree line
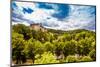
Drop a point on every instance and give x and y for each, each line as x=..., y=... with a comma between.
x=53, y=46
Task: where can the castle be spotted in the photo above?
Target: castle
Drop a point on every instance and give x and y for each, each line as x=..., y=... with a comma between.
x=37, y=27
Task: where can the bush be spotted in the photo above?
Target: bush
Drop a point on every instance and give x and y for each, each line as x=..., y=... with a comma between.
x=86, y=59
x=49, y=46
x=92, y=54
x=71, y=59
x=46, y=57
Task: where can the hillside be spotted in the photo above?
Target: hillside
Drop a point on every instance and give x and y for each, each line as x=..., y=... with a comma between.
x=52, y=46
x=69, y=31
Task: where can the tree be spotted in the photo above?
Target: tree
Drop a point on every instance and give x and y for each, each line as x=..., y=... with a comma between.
x=58, y=48
x=22, y=29
x=67, y=37
x=33, y=48
x=49, y=47
x=92, y=54
x=70, y=48
x=47, y=57
x=30, y=50
x=17, y=48
x=84, y=47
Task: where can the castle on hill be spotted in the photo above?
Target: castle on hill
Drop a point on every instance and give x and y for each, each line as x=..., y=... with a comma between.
x=37, y=27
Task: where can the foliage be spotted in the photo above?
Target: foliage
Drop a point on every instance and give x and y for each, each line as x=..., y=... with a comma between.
x=17, y=48
x=49, y=47
x=71, y=59
x=86, y=59
x=46, y=57
x=24, y=30
x=52, y=46
x=70, y=47
x=92, y=54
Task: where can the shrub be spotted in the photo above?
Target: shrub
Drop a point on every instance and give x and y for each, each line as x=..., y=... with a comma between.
x=92, y=54
x=71, y=59
x=46, y=57
x=86, y=59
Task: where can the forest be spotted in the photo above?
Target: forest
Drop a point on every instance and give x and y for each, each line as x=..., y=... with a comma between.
x=53, y=46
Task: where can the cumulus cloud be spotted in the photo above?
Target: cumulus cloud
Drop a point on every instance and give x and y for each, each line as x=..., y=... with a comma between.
x=82, y=17
x=55, y=16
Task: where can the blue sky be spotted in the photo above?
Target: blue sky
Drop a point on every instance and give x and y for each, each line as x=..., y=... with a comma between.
x=54, y=16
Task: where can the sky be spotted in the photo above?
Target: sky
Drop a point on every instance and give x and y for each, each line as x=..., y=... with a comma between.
x=54, y=16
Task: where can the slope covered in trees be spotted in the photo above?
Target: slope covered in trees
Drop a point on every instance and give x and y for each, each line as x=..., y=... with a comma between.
x=53, y=46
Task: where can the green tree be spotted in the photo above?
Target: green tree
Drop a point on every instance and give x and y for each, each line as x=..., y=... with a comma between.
x=92, y=54
x=58, y=47
x=33, y=47
x=22, y=29
x=17, y=48
x=46, y=57
x=67, y=37
x=70, y=48
x=84, y=47
x=49, y=47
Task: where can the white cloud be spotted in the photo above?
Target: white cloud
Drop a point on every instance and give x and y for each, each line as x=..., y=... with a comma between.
x=25, y=23
x=80, y=17
x=26, y=5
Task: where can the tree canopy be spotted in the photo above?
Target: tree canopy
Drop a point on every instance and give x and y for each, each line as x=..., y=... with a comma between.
x=53, y=46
